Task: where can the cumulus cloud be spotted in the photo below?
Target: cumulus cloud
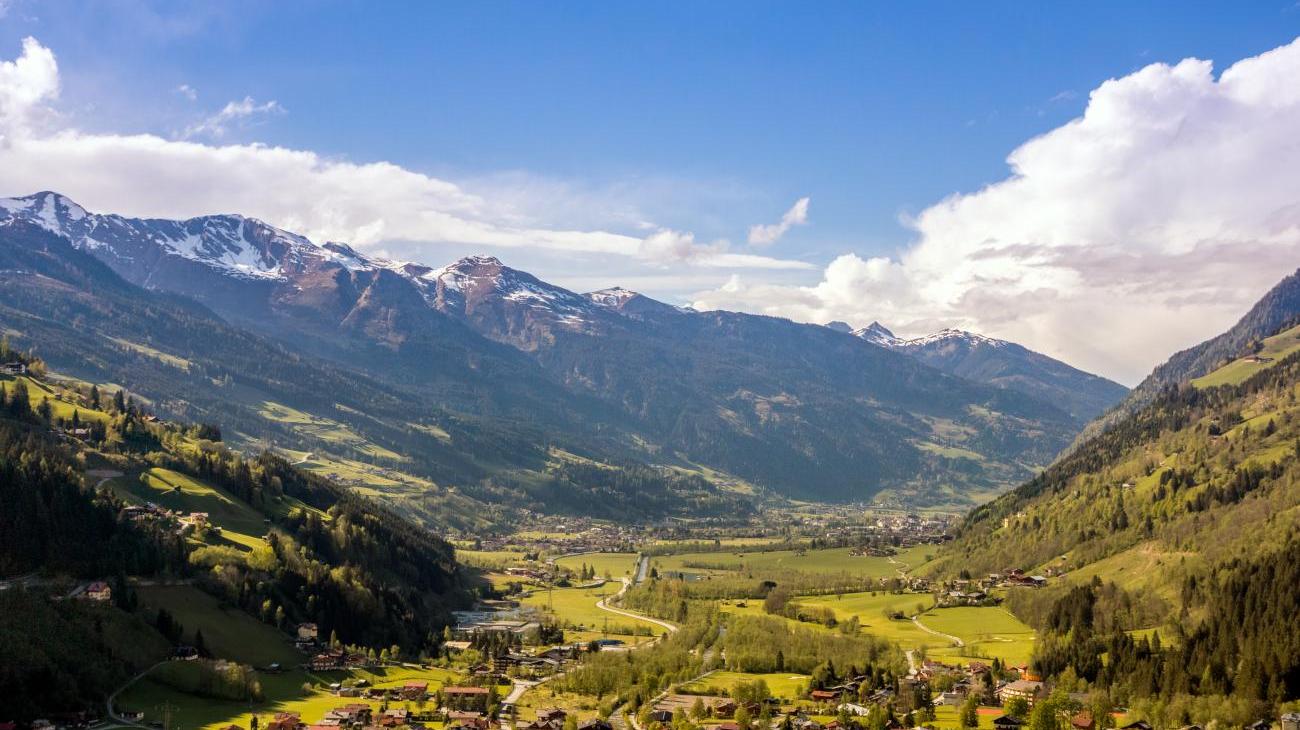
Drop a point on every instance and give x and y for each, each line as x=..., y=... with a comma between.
x=768, y=234
x=187, y=91
x=376, y=205
x=25, y=84
x=1147, y=224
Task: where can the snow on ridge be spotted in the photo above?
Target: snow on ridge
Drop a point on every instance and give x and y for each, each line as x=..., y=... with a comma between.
x=952, y=333
x=613, y=297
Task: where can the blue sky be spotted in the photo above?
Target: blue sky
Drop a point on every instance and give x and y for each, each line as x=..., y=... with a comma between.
x=705, y=118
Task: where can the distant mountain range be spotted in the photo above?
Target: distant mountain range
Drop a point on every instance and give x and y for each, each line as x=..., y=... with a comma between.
x=511, y=368
x=1004, y=364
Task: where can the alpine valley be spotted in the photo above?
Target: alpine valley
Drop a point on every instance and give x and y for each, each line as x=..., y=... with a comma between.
x=483, y=383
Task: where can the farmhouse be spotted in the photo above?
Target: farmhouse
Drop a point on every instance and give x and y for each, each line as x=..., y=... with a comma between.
x=465, y=698
x=415, y=690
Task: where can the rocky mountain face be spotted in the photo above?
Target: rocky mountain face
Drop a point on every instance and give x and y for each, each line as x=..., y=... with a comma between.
x=801, y=409
x=1006, y=365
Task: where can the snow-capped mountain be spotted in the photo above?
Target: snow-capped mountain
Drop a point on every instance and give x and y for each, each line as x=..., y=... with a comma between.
x=796, y=407
x=877, y=334
x=1004, y=364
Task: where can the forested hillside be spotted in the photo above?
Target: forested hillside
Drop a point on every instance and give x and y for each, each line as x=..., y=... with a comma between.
x=94, y=487
x=1183, y=518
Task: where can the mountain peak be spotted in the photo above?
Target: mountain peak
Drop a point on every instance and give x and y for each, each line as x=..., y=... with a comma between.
x=48, y=209
x=839, y=326
x=614, y=297
x=877, y=334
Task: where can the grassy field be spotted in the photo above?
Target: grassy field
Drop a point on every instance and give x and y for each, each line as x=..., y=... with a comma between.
x=1275, y=348
x=543, y=697
x=59, y=408
x=490, y=558
x=837, y=560
x=241, y=525
x=577, y=606
x=294, y=691
x=784, y=685
x=616, y=565
x=988, y=631
x=325, y=429
x=229, y=634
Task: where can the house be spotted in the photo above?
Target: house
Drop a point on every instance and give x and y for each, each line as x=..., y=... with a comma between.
x=14, y=368
x=824, y=695
x=855, y=709
x=1290, y=721
x=724, y=708
x=1259, y=725
x=1083, y=721
x=284, y=721
x=465, y=698
x=307, y=632
x=99, y=591
x=1026, y=689
x=661, y=716
x=949, y=699
x=456, y=645
x=595, y=724
x=416, y=690
x=552, y=714
x=1144, y=725
x=1006, y=722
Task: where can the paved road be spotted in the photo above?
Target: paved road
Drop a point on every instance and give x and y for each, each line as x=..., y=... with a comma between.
x=603, y=605
x=642, y=567
x=108, y=705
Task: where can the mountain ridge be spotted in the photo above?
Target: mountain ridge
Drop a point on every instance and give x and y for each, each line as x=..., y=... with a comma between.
x=796, y=408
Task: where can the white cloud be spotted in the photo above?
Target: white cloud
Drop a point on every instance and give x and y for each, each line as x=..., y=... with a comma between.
x=234, y=112
x=187, y=91
x=25, y=84
x=768, y=234
x=1146, y=225
x=375, y=205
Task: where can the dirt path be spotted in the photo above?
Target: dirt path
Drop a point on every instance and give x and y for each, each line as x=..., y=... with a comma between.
x=917, y=620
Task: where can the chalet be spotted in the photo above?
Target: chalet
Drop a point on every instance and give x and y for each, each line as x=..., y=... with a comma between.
x=415, y=690
x=284, y=721
x=99, y=591
x=949, y=699
x=457, y=645
x=1290, y=721
x=1083, y=721
x=1144, y=725
x=1026, y=689
x=394, y=716
x=327, y=660
x=1007, y=722
x=824, y=695
x=661, y=716
x=552, y=714
x=307, y=632
x=595, y=724
x=855, y=709
x=14, y=368
x=465, y=698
